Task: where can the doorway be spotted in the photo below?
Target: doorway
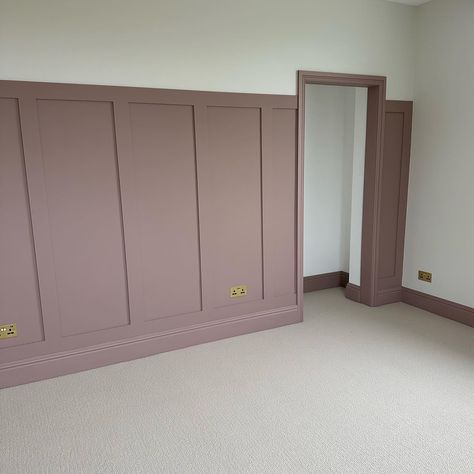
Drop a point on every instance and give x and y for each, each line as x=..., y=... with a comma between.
x=375, y=87
x=335, y=121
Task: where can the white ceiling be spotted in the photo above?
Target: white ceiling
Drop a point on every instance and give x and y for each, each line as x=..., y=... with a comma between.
x=411, y=2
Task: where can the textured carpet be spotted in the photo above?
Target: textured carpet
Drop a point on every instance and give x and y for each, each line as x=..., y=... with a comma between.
x=351, y=390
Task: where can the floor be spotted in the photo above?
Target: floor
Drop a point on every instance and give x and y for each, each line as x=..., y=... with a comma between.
x=351, y=390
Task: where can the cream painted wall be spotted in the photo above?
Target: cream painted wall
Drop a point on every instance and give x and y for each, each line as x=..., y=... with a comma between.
x=226, y=45
x=440, y=222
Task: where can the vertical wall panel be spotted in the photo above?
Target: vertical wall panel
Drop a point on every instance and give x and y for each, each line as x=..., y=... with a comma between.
x=282, y=208
x=235, y=154
x=82, y=184
x=395, y=170
x=391, y=176
x=19, y=295
x=164, y=156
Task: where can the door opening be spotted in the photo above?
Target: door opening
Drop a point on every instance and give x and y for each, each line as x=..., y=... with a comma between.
x=335, y=121
x=367, y=189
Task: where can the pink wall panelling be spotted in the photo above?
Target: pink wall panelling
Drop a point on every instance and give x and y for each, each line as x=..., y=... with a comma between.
x=234, y=140
x=129, y=213
x=19, y=292
x=82, y=185
x=164, y=156
x=394, y=193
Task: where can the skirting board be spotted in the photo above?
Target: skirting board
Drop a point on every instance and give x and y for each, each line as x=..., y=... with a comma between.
x=447, y=309
x=433, y=304
x=353, y=292
x=32, y=370
x=325, y=281
x=382, y=298
x=388, y=296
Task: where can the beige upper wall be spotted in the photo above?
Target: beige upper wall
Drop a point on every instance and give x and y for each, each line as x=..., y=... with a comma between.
x=222, y=45
x=440, y=221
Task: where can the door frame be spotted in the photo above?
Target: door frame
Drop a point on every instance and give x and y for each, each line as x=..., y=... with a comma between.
x=376, y=94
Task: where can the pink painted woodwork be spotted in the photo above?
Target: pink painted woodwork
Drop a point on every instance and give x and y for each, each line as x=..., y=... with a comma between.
x=165, y=160
x=391, y=177
x=19, y=293
x=235, y=160
x=82, y=185
x=281, y=180
x=393, y=200
x=127, y=214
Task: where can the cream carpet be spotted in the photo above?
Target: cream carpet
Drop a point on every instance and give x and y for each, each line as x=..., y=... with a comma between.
x=351, y=390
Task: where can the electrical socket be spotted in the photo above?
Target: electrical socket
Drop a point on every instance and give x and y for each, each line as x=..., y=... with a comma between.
x=425, y=276
x=237, y=291
x=8, y=330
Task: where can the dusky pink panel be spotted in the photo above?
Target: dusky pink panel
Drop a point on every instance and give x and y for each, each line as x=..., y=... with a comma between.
x=82, y=185
x=281, y=213
x=391, y=188
x=164, y=156
x=234, y=140
x=393, y=199
x=19, y=294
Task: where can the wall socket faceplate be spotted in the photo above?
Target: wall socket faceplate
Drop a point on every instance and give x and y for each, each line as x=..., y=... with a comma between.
x=425, y=276
x=8, y=330
x=237, y=291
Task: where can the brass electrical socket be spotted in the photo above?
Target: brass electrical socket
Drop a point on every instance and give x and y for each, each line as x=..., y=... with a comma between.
x=8, y=330
x=425, y=276
x=237, y=291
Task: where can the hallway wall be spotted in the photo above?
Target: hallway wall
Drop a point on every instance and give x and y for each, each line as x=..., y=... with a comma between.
x=335, y=126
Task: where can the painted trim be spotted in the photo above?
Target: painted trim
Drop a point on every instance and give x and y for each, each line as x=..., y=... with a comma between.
x=445, y=308
x=325, y=281
x=389, y=296
x=389, y=287
x=376, y=86
x=353, y=292
x=53, y=365
x=441, y=307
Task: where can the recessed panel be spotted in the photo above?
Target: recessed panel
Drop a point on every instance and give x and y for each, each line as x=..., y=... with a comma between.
x=234, y=140
x=19, y=294
x=390, y=198
x=164, y=156
x=282, y=208
x=82, y=185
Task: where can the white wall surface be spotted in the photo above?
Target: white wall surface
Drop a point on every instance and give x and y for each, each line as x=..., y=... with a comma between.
x=225, y=45
x=332, y=152
x=347, y=165
x=440, y=222
x=358, y=166
x=326, y=202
